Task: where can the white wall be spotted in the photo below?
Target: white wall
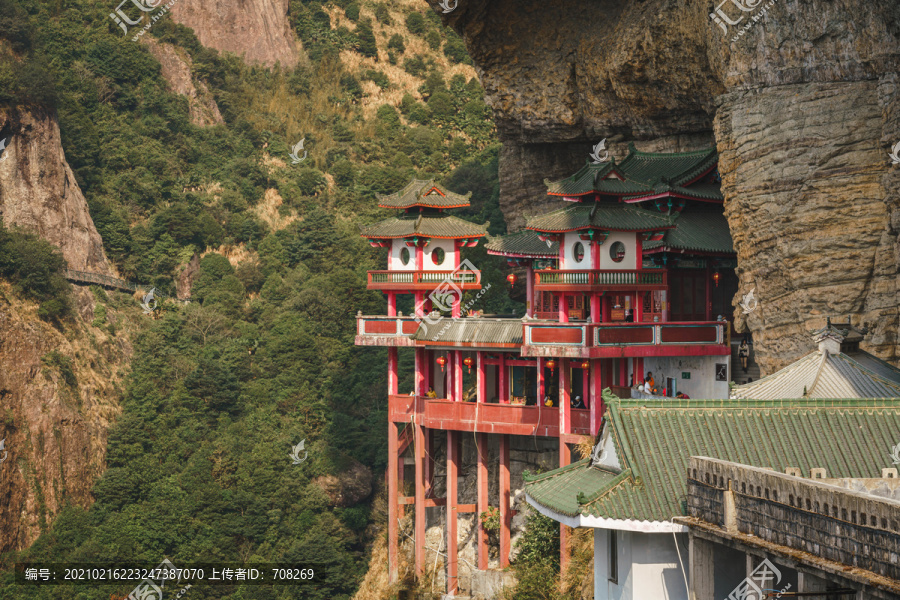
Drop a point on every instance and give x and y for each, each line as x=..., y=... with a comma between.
x=449, y=249
x=569, y=243
x=701, y=385
x=394, y=263
x=630, y=260
x=648, y=566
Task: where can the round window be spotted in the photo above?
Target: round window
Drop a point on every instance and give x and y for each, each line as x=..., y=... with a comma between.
x=404, y=256
x=437, y=256
x=578, y=251
x=617, y=252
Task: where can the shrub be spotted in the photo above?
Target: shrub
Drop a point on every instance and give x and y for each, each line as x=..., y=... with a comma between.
x=310, y=181
x=433, y=39
x=396, y=43
x=392, y=57
x=415, y=23
x=351, y=11
x=379, y=78
x=351, y=86
x=455, y=49
x=35, y=268
x=441, y=105
x=433, y=83
x=415, y=66
x=406, y=103
x=365, y=40
x=381, y=14
x=343, y=173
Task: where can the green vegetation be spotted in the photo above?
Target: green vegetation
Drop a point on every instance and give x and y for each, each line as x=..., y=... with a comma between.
x=537, y=563
x=221, y=389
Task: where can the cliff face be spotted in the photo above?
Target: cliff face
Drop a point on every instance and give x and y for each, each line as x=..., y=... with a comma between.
x=258, y=30
x=38, y=191
x=175, y=66
x=803, y=107
x=58, y=394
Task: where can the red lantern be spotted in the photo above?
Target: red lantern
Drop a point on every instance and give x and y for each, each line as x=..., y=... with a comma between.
x=442, y=360
x=468, y=362
x=716, y=278
x=511, y=278
x=551, y=364
x=586, y=365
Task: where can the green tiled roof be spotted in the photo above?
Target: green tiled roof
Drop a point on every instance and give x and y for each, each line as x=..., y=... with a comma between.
x=426, y=226
x=602, y=216
x=424, y=192
x=653, y=441
x=522, y=244
x=643, y=174
x=699, y=231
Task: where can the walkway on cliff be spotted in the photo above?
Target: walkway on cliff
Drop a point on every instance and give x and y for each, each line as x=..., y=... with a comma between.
x=83, y=277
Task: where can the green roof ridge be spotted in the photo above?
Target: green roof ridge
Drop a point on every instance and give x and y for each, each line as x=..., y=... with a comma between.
x=625, y=475
x=527, y=476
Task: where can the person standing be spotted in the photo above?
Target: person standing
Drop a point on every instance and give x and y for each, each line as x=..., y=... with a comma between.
x=744, y=354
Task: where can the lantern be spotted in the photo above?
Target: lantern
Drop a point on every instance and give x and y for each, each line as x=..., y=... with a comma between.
x=468, y=362
x=716, y=278
x=551, y=364
x=586, y=365
x=442, y=360
x=511, y=278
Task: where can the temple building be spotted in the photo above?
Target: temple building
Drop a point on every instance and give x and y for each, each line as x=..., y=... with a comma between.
x=634, y=274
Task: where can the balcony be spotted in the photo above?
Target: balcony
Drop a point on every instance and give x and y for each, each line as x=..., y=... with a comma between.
x=385, y=331
x=602, y=340
x=485, y=417
x=424, y=280
x=555, y=280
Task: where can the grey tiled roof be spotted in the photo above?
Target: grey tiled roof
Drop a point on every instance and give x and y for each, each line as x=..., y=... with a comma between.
x=523, y=244
x=857, y=375
x=698, y=231
x=424, y=192
x=603, y=216
x=471, y=330
x=426, y=226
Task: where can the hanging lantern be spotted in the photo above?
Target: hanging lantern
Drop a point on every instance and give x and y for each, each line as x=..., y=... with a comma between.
x=511, y=278
x=442, y=360
x=586, y=365
x=551, y=364
x=468, y=362
x=716, y=278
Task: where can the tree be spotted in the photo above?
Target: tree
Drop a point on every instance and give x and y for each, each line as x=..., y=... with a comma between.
x=396, y=43
x=415, y=23
x=365, y=40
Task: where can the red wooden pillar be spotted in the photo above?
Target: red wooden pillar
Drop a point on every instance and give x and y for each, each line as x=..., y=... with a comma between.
x=596, y=396
x=420, y=372
x=452, y=484
x=639, y=307
x=393, y=516
x=449, y=377
x=503, y=391
x=419, y=433
x=565, y=420
x=481, y=439
x=529, y=290
x=563, y=309
x=540, y=382
x=393, y=377
x=596, y=311
x=419, y=309
x=708, y=287
x=504, y=501
x=606, y=300
x=429, y=461
x=480, y=380
x=585, y=384
x=457, y=376
x=595, y=254
x=623, y=371
x=392, y=304
x=456, y=310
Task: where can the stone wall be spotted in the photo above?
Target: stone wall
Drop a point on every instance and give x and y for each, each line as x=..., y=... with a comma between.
x=845, y=526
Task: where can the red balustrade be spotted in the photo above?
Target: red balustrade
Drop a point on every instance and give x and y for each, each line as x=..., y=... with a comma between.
x=424, y=280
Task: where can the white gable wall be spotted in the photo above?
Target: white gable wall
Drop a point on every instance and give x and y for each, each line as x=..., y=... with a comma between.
x=394, y=262
x=569, y=243
x=630, y=261
x=648, y=566
x=449, y=251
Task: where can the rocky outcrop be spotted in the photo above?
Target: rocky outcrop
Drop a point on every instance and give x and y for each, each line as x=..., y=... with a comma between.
x=176, y=67
x=38, y=191
x=349, y=487
x=259, y=30
x=801, y=100
x=59, y=392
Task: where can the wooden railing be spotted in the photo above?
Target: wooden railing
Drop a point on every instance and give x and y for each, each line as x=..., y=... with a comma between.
x=633, y=279
x=412, y=280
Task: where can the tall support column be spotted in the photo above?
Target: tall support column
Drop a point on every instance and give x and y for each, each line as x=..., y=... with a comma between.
x=503, y=391
x=540, y=383
x=596, y=311
x=605, y=307
x=393, y=514
x=529, y=290
x=596, y=396
x=563, y=308
x=393, y=377
x=420, y=372
x=456, y=309
x=504, y=501
x=392, y=304
x=482, y=441
x=480, y=379
x=623, y=371
x=639, y=307
x=429, y=462
x=419, y=309
x=708, y=287
x=452, y=485
x=419, y=433
x=565, y=427
x=450, y=376
x=585, y=384
x=458, y=376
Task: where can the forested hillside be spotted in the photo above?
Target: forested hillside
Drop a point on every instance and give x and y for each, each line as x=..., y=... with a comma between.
x=222, y=388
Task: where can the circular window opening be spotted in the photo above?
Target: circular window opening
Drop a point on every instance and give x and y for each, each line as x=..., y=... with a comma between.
x=617, y=252
x=404, y=256
x=437, y=256
x=578, y=251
